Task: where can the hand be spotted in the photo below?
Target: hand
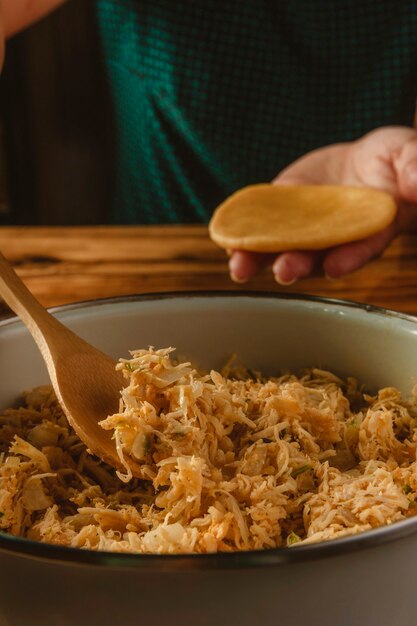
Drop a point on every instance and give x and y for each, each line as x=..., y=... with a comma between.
x=385, y=159
x=15, y=15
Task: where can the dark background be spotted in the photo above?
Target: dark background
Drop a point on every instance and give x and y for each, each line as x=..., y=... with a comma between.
x=56, y=142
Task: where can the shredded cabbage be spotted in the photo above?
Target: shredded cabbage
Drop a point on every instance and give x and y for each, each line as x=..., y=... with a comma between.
x=228, y=461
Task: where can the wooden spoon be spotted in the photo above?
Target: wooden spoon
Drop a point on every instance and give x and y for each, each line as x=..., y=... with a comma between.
x=84, y=379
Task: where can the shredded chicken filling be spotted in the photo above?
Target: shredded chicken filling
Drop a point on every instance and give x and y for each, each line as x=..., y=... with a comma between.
x=229, y=461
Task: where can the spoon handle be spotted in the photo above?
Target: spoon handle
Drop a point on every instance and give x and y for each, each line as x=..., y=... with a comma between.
x=50, y=335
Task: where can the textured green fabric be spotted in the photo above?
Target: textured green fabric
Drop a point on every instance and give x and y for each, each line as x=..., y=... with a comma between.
x=211, y=95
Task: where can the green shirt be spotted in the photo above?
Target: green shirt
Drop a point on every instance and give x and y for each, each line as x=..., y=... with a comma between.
x=212, y=95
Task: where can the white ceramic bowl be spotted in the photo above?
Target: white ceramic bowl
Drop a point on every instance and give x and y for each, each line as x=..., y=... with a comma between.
x=366, y=580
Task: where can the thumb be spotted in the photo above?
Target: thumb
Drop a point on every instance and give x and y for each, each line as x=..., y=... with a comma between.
x=405, y=166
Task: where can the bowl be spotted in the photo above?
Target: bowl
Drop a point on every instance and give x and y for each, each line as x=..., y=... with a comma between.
x=364, y=580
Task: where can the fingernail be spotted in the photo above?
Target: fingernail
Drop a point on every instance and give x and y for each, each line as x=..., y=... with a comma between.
x=238, y=279
x=283, y=282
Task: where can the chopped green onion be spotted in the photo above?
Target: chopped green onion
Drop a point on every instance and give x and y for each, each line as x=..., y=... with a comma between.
x=293, y=538
x=132, y=368
x=407, y=489
x=300, y=470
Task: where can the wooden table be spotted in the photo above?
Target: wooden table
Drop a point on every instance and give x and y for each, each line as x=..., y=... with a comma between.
x=62, y=265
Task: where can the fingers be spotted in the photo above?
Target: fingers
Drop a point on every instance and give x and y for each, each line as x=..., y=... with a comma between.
x=287, y=267
x=290, y=266
x=351, y=256
x=244, y=265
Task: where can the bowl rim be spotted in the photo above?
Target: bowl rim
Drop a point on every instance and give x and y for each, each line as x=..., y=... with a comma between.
x=365, y=540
